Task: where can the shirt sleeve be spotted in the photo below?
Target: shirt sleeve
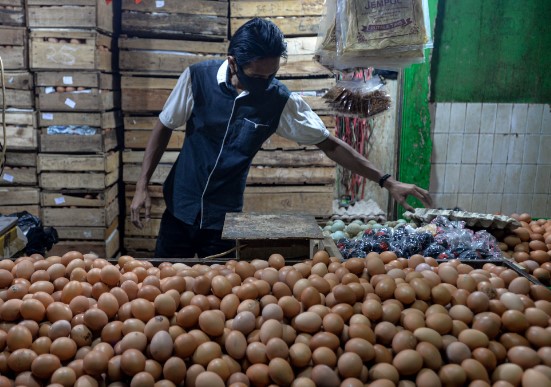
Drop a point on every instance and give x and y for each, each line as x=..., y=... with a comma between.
x=178, y=106
x=299, y=123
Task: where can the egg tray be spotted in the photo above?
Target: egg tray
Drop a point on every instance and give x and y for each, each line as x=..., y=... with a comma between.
x=471, y=219
x=201, y=261
x=479, y=263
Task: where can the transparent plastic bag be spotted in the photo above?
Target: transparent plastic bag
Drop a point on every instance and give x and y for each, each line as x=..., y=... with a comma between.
x=358, y=98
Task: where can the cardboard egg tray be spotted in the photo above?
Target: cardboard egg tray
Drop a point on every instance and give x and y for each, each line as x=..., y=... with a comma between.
x=471, y=219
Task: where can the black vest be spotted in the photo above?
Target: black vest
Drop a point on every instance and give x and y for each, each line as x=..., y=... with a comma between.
x=223, y=135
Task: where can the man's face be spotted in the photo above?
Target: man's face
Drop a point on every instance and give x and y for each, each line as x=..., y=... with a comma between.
x=257, y=75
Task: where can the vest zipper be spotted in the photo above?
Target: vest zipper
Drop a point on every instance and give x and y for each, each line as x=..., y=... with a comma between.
x=216, y=163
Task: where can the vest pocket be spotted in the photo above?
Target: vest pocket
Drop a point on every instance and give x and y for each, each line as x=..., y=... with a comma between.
x=251, y=136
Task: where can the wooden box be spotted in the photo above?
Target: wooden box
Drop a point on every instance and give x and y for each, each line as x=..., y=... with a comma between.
x=101, y=142
x=19, y=86
x=294, y=18
x=64, y=49
x=103, y=249
x=198, y=19
x=12, y=13
x=20, y=159
x=137, y=130
x=145, y=94
x=87, y=233
x=76, y=91
x=91, y=172
x=71, y=14
x=161, y=56
x=21, y=131
x=79, y=197
x=13, y=47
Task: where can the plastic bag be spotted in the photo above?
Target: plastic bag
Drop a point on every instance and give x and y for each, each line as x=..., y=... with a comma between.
x=385, y=34
x=358, y=98
x=39, y=239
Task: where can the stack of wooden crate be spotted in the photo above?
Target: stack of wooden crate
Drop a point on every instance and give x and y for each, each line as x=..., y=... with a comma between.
x=18, y=182
x=161, y=39
x=72, y=51
x=286, y=177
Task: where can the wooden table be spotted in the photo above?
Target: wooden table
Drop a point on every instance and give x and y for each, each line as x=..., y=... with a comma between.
x=260, y=235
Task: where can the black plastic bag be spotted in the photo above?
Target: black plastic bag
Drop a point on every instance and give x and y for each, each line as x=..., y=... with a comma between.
x=39, y=238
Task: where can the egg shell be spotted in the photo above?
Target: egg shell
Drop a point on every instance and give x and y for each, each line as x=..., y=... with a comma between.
x=161, y=346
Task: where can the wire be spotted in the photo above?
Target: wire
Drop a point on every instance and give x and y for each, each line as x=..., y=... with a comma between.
x=3, y=146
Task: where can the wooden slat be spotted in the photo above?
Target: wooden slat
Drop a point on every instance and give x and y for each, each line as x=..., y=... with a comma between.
x=18, y=80
x=104, y=120
x=20, y=159
x=31, y=209
x=79, y=198
x=190, y=7
x=18, y=176
x=283, y=176
x=189, y=46
x=137, y=139
x=75, y=180
x=131, y=244
x=307, y=84
x=158, y=62
x=87, y=79
x=104, y=249
x=80, y=217
x=87, y=233
x=85, y=102
x=27, y=118
x=174, y=25
x=14, y=58
x=22, y=137
x=12, y=36
x=276, y=8
x=12, y=196
x=290, y=26
x=12, y=17
x=71, y=14
x=21, y=99
x=62, y=143
x=136, y=157
x=143, y=123
x=78, y=163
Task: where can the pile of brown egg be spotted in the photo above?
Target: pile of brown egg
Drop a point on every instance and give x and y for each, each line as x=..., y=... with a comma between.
x=380, y=320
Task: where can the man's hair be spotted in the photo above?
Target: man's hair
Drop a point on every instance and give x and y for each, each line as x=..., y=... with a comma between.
x=257, y=39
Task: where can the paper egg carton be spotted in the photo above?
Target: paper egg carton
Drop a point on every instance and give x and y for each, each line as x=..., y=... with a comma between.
x=471, y=219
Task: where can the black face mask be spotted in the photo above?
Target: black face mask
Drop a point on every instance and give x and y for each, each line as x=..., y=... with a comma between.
x=252, y=84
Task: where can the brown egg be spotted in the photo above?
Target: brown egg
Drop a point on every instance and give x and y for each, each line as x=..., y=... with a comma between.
x=474, y=338
x=43, y=366
x=453, y=375
x=280, y=372
x=161, y=346
x=65, y=376
x=20, y=360
x=508, y=372
x=430, y=354
x=384, y=371
x=523, y=356
x=64, y=348
x=408, y=362
x=132, y=362
x=475, y=370
x=19, y=337
x=427, y=378
x=185, y=345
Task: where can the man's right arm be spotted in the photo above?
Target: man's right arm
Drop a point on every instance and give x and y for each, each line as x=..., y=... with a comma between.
x=156, y=146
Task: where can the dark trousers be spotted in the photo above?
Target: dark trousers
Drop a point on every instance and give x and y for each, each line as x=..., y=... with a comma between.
x=177, y=239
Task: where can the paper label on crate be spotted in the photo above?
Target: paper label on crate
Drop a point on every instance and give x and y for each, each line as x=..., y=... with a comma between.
x=69, y=102
x=160, y=3
x=68, y=80
x=87, y=234
x=8, y=178
x=47, y=116
x=59, y=200
x=11, y=80
x=49, y=90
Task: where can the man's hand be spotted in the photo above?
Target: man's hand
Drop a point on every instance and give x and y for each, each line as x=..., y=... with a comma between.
x=400, y=192
x=141, y=199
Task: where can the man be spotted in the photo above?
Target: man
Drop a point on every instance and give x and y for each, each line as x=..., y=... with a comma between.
x=230, y=108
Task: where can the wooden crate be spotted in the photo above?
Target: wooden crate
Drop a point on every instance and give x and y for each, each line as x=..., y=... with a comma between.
x=12, y=13
x=294, y=18
x=145, y=94
x=196, y=19
x=76, y=91
x=103, y=249
x=80, y=216
x=102, y=142
x=21, y=130
x=137, y=130
x=64, y=171
x=71, y=14
x=19, y=86
x=64, y=49
x=165, y=57
x=13, y=47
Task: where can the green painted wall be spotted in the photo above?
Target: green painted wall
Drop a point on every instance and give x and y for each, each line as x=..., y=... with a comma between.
x=415, y=142
x=492, y=51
